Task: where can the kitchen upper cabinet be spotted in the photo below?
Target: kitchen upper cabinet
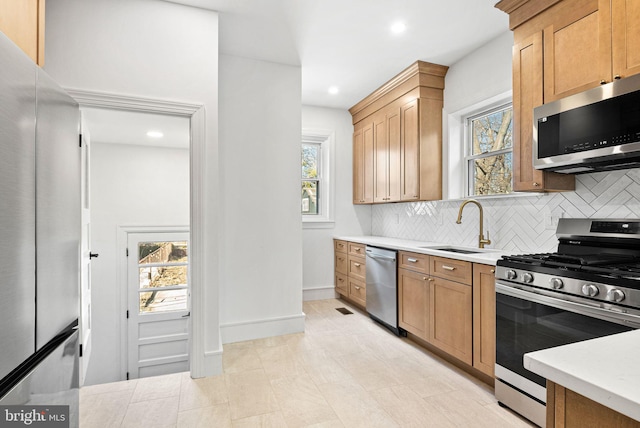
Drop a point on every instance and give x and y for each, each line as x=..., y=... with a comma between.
x=405, y=115
x=23, y=22
x=625, y=25
x=484, y=318
x=563, y=47
x=363, y=165
x=577, y=49
x=386, y=154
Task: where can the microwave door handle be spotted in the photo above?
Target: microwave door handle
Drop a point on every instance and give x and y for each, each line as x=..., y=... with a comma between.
x=581, y=308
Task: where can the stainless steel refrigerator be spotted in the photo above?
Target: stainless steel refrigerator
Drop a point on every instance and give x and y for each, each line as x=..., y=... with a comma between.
x=39, y=237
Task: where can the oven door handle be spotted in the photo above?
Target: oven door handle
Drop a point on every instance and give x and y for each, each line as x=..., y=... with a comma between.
x=623, y=318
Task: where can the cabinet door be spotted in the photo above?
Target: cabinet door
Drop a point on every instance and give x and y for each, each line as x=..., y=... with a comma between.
x=394, y=154
x=625, y=25
x=23, y=22
x=577, y=49
x=410, y=152
x=450, y=318
x=484, y=318
x=363, y=165
x=413, y=302
x=380, y=160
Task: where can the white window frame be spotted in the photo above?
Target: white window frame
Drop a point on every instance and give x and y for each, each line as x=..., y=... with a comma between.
x=455, y=176
x=326, y=197
x=469, y=157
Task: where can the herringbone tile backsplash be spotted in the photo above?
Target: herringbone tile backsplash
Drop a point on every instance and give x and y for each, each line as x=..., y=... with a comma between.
x=522, y=224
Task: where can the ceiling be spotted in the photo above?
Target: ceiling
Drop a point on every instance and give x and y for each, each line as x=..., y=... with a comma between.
x=348, y=44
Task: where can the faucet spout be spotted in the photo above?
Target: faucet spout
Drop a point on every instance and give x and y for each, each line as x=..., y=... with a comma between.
x=481, y=239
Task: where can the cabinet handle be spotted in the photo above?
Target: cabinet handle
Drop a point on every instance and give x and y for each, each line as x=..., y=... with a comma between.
x=602, y=82
x=412, y=260
x=424, y=278
x=357, y=249
x=356, y=287
x=492, y=271
x=340, y=258
x=430, y=279
x=451, y=268
x=617, y=77
x=356, y=264
x=536, y=184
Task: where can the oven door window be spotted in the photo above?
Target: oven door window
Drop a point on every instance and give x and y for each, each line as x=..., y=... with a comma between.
x=524, y=326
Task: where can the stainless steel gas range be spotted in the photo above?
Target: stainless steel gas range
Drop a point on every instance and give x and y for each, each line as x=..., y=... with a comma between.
x=589, y=288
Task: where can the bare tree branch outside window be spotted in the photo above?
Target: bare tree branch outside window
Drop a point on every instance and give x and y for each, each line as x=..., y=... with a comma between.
x=490, y=160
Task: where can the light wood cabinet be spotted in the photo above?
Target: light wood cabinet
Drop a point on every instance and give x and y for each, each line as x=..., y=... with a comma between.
x=363, y=165
x=451, y=269
x=413, y=302
x=23, y=22
x=350, y=270
x=566, y=408
x=386, y=153
x=404, y=119
x=450, y=318
x=484, y=318
x=563, y=47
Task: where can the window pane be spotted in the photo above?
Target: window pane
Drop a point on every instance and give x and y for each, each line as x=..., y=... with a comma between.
x=162, y=252
x=163, y=301
x=309, y=197
x=160, y=276
x=310, y=160
x=492, y=174
x=492, y=132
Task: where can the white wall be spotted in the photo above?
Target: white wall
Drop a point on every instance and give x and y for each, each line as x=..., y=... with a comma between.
x=152, y=49
x=261, y=231
x=130, y=186
x=317, y=244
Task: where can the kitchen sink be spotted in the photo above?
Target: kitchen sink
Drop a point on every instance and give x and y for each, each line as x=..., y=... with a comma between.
x=455, y=250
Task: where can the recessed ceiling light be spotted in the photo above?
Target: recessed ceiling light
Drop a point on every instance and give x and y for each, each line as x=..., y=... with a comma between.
x=155, y=134
x=333, y=90
x=398, y=28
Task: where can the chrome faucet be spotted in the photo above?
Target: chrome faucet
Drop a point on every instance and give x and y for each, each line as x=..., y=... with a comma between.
x=481, y=240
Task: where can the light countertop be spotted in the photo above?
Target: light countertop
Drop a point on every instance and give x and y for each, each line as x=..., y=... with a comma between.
x=486, y=256
x=606, y=370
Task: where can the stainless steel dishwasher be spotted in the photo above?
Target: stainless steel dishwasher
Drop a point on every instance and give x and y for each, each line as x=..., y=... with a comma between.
x=382, y=290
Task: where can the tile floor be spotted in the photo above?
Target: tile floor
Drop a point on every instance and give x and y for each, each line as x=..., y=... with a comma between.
x=344, y=371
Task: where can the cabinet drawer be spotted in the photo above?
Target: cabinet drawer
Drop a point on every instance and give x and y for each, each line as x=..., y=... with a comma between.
x=414, y=261
x=356, y=249
x=340, y=263
x=455, y=270
x=358, y=291
x=342, y=284
x=357, y=268
x=340, y=246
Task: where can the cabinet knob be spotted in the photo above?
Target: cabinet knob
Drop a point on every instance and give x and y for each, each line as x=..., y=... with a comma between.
x=602, y=82
x=536, y=184
x=492, y=271
x=424, y=278
x=430, y=279
x=617, y=77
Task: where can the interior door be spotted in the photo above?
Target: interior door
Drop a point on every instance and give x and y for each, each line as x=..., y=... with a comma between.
x=158, y=303
x=85, y=254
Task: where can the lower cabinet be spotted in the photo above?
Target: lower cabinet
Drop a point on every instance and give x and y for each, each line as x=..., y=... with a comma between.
x=350, y=271
x=566, y=408
x=484, y=318
x=451, y=320
x=413, y=302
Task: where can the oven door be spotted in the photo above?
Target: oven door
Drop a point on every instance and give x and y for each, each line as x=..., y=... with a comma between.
x=528, y=321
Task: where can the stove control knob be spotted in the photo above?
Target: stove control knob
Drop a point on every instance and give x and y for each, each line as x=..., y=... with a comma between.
x=527, y=277
x=590, y=290
x=556, y=283
x=511, y=274
x=615, y=295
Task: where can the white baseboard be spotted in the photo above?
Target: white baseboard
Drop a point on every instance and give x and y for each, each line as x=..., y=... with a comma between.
x=212, y=364
x=319, y=293
x=259, y=329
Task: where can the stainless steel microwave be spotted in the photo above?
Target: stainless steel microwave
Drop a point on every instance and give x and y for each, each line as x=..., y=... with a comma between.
x=596, y=130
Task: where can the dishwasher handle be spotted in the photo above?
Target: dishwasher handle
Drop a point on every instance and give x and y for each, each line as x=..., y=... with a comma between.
x=375, y=255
